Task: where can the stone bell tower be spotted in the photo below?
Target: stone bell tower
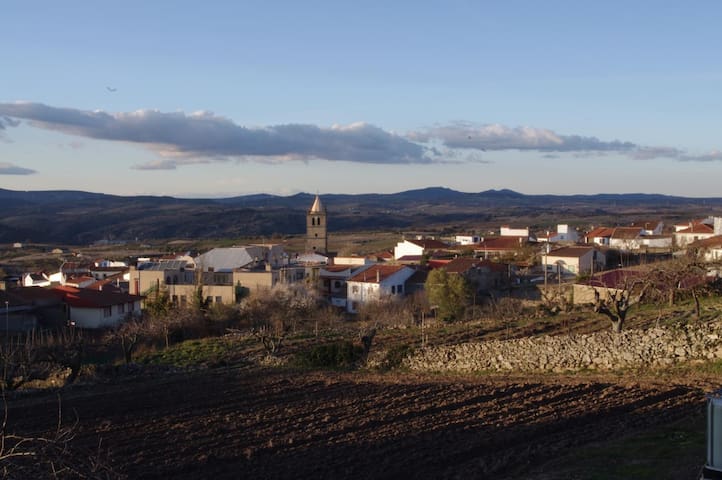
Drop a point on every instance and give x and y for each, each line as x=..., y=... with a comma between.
x=316, y=228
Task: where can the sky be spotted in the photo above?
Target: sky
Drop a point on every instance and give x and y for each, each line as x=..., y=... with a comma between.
x=225, y=98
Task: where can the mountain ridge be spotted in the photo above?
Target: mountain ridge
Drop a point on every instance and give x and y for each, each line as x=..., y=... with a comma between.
x=77, y=217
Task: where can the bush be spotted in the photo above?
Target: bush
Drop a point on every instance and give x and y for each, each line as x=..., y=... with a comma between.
x=395, y=356
x=341, y=355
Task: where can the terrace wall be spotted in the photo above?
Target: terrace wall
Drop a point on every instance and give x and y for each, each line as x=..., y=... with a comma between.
x=598, y=351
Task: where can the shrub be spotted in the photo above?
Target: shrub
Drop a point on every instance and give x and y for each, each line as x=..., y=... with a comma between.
x=395, y=356
x=340, y=355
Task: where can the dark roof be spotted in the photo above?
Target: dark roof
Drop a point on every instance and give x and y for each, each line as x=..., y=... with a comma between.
x=627, y=233
x=570, y=252
x=502, y=243
x=464, y=264
x=428, y=243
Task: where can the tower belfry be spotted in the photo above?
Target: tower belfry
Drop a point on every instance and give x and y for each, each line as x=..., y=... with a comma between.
x=316, y=228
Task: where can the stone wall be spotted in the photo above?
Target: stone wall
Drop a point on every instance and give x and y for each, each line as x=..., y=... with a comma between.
x=597, y=351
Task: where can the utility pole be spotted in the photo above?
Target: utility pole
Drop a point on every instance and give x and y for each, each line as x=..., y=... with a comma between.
x=7, y=318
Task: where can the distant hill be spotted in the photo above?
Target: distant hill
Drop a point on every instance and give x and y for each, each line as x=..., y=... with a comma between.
x=73, y=217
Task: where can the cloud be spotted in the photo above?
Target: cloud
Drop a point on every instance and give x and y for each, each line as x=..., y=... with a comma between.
x=10, y=169
x=202, y=136
x=501, y=137
x=713, y=156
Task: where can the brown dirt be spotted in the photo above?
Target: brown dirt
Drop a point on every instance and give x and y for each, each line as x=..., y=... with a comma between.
x=250, y=423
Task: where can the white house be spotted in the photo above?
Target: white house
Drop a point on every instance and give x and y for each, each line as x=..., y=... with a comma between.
x=710, y=248
x=417, y=248
x=98, y=309
x=563, y=234
x=333, y=281
x=507, y=231
x=575, y=260
x=649, y=227
x=599, y=236
x=39, y=279
x=467, y=239
x=626, y=238
x=376, y=283
x=696, y=231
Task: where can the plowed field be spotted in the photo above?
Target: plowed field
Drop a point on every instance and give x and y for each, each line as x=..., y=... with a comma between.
x=267, y=424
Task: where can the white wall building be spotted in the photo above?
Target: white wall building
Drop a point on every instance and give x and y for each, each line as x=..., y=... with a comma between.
x=378, y=282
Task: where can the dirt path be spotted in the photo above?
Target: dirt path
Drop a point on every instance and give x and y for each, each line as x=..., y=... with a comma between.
x=268, y=424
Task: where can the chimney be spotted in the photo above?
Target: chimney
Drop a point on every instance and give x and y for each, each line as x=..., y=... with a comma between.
x=378, y=276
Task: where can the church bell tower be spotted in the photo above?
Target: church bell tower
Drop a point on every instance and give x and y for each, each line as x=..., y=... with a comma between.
x=316, y=232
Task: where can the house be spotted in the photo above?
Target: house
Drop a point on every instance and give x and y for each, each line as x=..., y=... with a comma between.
x=466, y=239
x=22, y=308
x=418, y=248
x=649, y=227
x=378, y=282
x=507, y=231
x=710, y=248
x=483, y=275
x=95, y=309
x=599, y=236
x=626, y=238
x=496, y=247
x=79, y=281
x=575, y=260
x=564, y=234
x=37, y=279
x=333, y=280
x=693, y=233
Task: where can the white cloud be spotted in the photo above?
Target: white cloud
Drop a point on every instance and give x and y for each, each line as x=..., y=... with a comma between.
x=202, y=136
x=10, y=169
x=501, y=137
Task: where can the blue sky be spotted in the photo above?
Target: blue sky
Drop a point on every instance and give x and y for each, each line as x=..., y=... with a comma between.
x=227, y=98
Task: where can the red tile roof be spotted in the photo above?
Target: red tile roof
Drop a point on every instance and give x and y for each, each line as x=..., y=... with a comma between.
x=698, y=228
x=711, y=242
x=85, y=298
x=376, y=273
x=600, y=232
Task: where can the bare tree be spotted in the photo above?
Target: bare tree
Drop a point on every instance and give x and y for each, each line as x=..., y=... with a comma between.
x=274, y=314
x=50, y=457
x=617, y=301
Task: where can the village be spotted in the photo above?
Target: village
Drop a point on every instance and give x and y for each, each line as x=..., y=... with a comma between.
x=104, y=293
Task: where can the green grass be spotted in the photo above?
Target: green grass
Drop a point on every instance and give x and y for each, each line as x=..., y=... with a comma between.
x=202, y=352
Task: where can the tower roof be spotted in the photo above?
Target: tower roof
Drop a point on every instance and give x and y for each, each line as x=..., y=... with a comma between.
x=317, y=206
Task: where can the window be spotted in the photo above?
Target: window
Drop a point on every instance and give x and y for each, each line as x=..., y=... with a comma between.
x=107, y=311
x=400, y=289
x=131, y=306
x=219, y=299
x=393, y=289
x=337, y=284
x=209, y=300
x=174, y=299
x=121, y=308
x=354, y=289
x=183, y=300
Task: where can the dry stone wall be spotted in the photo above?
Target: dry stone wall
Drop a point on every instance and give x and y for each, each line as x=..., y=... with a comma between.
x=597, y=351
